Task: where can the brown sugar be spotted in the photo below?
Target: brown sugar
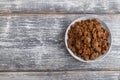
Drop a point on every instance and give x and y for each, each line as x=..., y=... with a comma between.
x=87, y=39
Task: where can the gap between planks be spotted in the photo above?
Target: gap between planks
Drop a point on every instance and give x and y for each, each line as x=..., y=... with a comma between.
x=14, y=12
x=70, y=72
x=60, y=70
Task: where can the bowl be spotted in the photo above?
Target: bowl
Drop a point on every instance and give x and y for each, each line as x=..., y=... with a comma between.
x=103, y=25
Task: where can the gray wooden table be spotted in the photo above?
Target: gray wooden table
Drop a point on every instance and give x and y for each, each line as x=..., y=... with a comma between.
x=32, y=40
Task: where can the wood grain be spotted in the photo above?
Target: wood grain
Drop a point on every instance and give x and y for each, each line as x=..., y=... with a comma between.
x=68, y=75
x=62, y=6
x=36, y=42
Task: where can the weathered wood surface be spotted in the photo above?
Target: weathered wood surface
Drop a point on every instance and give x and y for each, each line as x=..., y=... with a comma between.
x=68, y=75
x=31, y=41
x=36, y=42
x=63, y=6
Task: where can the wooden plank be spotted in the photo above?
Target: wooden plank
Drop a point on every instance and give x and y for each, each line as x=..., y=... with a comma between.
x=36, y=42
x=69, y=75
x=63, y=6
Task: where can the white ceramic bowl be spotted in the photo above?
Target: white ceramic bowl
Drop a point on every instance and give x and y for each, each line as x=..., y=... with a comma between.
x=79, y=58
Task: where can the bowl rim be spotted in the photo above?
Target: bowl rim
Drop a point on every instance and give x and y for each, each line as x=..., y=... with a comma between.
x=102, y=23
